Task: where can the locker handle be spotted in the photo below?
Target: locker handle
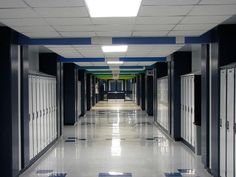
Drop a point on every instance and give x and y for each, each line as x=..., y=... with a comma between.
x=235, y=128
x=227, y=125
x=220, y=122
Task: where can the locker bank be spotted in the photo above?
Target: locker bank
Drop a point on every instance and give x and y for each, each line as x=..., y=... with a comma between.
x=128, y=88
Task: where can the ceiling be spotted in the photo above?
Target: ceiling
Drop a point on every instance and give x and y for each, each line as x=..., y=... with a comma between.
x=156, y=18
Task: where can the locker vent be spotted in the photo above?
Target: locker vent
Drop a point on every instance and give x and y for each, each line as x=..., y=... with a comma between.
x=115, y=174
x=82, y=139
x=58, y=175
x=70, y=141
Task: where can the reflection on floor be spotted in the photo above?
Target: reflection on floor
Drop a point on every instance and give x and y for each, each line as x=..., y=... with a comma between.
x=105, y=105
x=116, y=142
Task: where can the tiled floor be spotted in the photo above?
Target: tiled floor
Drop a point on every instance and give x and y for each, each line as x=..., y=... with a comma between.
x=117, y=141
x=104, y=105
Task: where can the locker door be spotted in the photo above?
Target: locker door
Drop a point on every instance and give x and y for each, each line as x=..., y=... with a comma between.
x=222, y=123
x=190, y=110
x=230, y=123
x=187, y=109
x=55, y=107
x=43, y=117
x=51, y=110
x=193, y=112
x=38, y=114
x=34, y=95
x=41, y=112
x=31, y=145
x=47, y=110
x=181, y=105
x=184, y=107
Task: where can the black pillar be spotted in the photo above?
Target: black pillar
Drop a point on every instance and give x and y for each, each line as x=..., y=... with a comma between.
x=88, y=91
x=9, y=104
x=82, y=79
x=142, y=91
x=93, y=90
x=70, y=93
x=179, y=64
x=149, y=92
x=138, y=89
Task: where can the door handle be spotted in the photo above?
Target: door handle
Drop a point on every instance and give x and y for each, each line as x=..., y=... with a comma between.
x=220, y=122
x=227, y=125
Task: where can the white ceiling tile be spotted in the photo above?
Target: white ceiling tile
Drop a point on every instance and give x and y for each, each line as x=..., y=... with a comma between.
x=55, y=3
x=24, y=22
x=197, y=27
x=114, y=54
x=218, y=2
x=153, y=27
x=113, y=27
x=214, y=10
x=75, y=28
x=71, y=55
x=42, y=34
x=12, y=4
x=149, y=33
x=34, y=29
x=158, y=20
x=203, y=19
x=163, y=10
x=114, y=33
x=186, y=33
x=169, y=2
x=17, y=13
x=63, y=12
x=116, y=21
x=87, y=47
x=69, y=21
x=78, y=34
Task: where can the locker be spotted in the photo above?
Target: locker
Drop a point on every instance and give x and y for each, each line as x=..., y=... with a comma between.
x=222, y=123
x=35, y=143
x=55, y=108
x=184, y=107
x=47, y=112
x=181, y=108
x=193, y=112
x=230, y=123
x=187, y=109
x=41, y=113
x=38, y=115
x=31, y=146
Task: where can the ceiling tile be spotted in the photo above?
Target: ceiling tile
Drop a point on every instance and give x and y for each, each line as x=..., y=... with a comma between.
x=163, y=10
x=186, y=33
x=24, y=22
x=12, y=4
x=17, y=13
x=34, y=29
x=42, y=34
x=203, y=19
x=62, y=12
x=158, y=20
x=113, y=27
x=169, y=2
x=218, y=2
x=197, y=27
x=149, y=33
x=78, y=34
x=114, y=33
x=55, y=3
x=75, y=28
x=153, y=27
x=69, y=21
x=214, y=10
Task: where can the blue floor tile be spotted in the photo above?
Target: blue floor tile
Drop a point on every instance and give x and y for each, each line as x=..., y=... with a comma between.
x=115, y=175
x=72, y=138
x=173, y=175
x=70, y=141
x=58, y=175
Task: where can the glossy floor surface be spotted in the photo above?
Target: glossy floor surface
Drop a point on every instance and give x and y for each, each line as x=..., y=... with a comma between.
x=116, y=105
x=122, y=141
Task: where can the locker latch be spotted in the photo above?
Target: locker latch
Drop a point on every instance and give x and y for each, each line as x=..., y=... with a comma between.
x=220, y=122
x=227, y=125
x=234, y=128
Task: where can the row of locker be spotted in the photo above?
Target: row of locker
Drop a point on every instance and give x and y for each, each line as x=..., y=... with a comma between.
x=162, y=103
x=188, y=128
x=42, y=113
x=79, y=98
x=227, y=122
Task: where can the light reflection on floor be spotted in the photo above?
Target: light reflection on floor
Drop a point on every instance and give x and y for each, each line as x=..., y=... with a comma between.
x=116, y=142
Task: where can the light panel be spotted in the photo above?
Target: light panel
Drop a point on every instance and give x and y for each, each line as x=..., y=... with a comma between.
x=115, y=62
x=114, y=48
x=113, y=8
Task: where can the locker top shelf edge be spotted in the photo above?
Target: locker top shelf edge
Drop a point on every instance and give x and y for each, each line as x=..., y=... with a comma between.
x=231, y=65
x=192, y=74
x=40, y=74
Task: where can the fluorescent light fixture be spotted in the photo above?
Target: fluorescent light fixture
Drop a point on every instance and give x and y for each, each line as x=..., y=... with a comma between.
x=115, y=62
x=113, y=8
x=114, y=48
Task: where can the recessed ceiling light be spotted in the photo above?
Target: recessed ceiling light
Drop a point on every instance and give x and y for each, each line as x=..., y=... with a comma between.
x=113, y=8
x=115, y=62
x=114, y=48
